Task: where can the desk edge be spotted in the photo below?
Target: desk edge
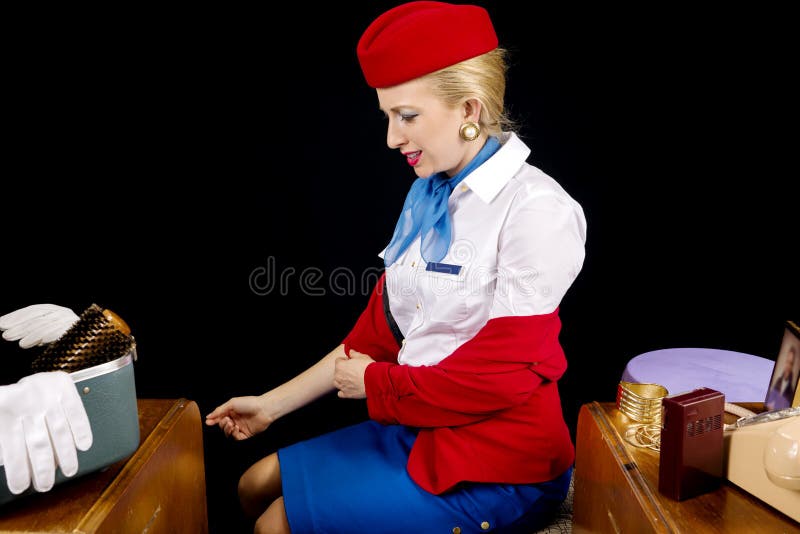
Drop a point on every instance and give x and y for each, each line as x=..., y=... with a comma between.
x=97, y=513
x=648, y=501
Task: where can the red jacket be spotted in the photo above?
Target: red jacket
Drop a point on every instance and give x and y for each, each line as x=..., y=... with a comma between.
x=489, y=412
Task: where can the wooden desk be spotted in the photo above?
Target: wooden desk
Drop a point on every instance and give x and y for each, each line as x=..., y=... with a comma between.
x=160, y=489
x=616, y=488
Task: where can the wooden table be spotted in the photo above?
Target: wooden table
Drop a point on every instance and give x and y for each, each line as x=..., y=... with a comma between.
x=160, y=489
x=616, y=488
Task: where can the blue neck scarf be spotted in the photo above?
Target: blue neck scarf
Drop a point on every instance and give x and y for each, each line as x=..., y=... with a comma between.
x=425, y=211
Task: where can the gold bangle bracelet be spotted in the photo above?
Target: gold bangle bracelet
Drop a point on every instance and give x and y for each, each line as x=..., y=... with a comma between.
x=641, y=402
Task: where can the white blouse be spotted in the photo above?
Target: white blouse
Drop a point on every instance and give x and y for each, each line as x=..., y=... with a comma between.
x=517, y=246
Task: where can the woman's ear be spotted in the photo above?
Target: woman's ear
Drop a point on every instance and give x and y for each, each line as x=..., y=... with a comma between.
x=472, y=110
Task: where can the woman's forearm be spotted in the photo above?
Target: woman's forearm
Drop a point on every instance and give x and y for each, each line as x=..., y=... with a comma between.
x=306, y=387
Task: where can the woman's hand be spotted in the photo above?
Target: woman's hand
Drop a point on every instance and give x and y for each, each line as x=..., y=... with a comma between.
x=348, y=376
x=241, y=417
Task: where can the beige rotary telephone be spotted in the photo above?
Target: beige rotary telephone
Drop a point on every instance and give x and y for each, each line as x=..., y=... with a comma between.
x=763, y=457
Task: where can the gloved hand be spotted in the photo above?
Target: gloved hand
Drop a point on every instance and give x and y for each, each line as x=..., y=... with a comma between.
x=42, y=421
x=37, y=324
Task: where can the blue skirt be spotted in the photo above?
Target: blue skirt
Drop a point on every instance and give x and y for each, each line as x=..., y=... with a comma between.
x=355, y=480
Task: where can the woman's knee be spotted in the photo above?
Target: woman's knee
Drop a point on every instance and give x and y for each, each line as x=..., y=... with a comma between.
x=260, y=485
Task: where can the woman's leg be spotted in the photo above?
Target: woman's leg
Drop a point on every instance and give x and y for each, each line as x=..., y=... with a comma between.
x=260, y=485
x=274, y=520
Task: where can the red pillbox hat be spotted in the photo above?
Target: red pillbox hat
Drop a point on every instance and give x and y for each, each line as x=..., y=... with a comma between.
x=418, y=38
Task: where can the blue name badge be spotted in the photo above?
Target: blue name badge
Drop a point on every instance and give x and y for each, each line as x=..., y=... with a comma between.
x=445, y=268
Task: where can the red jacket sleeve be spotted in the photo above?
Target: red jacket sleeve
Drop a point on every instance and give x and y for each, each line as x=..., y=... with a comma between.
x=498, y=368
x=371, y=334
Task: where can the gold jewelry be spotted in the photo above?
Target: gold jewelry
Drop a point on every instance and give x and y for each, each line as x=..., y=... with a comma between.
x=641, y=402
x=469, y=131
x=642, y=435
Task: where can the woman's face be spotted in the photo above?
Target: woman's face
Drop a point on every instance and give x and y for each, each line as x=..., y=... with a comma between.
x=788, y=367
x=424, y=129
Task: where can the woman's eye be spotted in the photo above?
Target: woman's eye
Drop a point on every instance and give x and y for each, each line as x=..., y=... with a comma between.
x=403, y=117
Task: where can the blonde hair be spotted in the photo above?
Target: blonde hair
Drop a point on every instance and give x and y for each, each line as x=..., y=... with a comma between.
x=482, y=78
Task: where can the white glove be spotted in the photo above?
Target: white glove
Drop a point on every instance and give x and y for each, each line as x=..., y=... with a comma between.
x=37, y=324
x=42, y=421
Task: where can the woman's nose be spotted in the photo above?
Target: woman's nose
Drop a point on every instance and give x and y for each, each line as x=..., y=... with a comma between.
x=394, y=135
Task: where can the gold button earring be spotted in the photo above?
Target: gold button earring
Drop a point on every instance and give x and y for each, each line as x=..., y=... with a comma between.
x=469, y=131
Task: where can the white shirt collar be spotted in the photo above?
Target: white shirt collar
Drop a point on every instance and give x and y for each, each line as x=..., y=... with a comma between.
x=489, y=179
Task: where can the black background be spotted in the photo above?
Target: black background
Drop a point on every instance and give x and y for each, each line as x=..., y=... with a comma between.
x=153, y=161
